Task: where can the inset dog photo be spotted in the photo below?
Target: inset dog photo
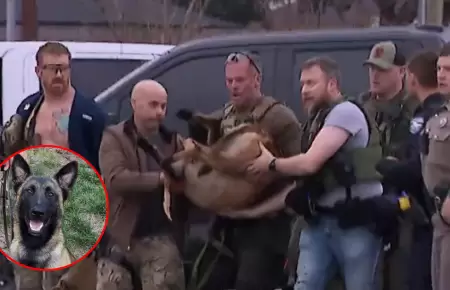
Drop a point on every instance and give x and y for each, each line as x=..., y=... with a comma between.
x=54, y=208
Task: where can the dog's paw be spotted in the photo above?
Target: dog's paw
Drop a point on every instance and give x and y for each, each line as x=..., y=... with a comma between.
x=184, y=114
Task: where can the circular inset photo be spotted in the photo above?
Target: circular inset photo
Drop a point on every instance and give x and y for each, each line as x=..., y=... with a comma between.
x=54, y=208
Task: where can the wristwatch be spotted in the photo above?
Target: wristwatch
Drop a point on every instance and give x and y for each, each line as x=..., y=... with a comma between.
x=272, y=165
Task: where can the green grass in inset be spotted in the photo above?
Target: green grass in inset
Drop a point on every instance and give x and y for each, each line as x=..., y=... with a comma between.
x=85, y=209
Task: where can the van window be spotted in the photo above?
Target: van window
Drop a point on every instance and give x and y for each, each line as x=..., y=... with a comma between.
x=92, y=76
x=354, y=76
x=196, y=83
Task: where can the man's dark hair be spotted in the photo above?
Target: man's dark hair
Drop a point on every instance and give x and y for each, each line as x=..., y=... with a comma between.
x=51, y=47
x=445, y=51
x=424, y=67
x=326, y=64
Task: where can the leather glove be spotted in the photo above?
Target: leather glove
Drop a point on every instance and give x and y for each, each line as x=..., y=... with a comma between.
x=394, y=173
x=386, y=166
x=184, y=114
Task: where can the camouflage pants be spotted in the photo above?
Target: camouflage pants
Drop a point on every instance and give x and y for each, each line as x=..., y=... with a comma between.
x=155, y=259
x=440, y=257
x=33, y=280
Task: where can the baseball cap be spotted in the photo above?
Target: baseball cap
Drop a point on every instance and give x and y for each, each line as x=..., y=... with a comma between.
x=385, y=55
x=252, y=57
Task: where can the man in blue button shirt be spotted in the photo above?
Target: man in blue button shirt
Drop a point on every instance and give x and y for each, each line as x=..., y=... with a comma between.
x=59, y=115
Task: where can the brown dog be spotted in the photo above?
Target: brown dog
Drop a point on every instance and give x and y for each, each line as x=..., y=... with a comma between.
x=38, y=238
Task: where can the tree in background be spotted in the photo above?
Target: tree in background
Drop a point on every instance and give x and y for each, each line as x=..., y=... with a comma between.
x=397, y=12
x=391, y=12
x=237, y=11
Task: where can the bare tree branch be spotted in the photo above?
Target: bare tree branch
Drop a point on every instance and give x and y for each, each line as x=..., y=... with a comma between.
x=198, y=24
x=111, y=23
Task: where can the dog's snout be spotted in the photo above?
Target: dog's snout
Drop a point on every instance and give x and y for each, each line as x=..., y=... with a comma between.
x=37, y=213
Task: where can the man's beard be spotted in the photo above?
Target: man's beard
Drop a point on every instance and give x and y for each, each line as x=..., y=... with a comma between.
x=321, y=102
x=56, y=90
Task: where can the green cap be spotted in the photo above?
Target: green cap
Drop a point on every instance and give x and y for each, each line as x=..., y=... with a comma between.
x=384, y=55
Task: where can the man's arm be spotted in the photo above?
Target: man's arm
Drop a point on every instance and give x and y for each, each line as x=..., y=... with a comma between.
x=445, y=211
x=114, y=170
x=404, y=174
x=285, y=130
x=343, y=121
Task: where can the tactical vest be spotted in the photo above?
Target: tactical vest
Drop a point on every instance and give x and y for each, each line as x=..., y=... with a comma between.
x=392, y=121
x=231, y=120
x=348, y=166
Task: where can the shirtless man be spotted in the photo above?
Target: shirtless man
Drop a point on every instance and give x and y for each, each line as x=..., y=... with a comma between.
x=58, y=114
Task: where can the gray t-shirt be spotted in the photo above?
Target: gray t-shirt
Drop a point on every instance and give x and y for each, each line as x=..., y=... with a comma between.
x=349, y=117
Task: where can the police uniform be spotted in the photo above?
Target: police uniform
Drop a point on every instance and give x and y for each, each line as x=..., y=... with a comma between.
x=393, y=123
x=436, y=173
x=259, y=245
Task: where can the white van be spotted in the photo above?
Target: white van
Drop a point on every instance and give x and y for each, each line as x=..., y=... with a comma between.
x=95, y=66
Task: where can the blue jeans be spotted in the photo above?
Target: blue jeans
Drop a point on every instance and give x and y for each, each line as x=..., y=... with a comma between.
x=325, y=248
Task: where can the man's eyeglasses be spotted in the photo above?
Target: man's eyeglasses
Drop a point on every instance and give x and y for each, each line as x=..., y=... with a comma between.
x=55, y=68
x=239, y=56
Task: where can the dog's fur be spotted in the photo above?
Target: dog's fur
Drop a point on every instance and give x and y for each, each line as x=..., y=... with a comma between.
x=40, y=200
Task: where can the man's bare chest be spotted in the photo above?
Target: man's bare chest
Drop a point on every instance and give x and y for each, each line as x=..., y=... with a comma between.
x=52, y=125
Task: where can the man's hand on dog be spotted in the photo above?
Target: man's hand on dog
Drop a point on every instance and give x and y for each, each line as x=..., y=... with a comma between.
x=172, y=185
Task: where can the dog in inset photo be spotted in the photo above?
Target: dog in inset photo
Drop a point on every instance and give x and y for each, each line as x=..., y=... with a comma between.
x=37, y=223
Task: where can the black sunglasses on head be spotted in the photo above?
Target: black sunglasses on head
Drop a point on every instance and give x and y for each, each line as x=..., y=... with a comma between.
x=239, y=56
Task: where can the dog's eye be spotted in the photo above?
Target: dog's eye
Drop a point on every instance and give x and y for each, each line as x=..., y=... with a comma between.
x=50, y=193
x=30, y=190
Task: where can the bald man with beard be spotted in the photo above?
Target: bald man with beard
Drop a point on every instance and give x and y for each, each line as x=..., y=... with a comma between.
x=138, y=224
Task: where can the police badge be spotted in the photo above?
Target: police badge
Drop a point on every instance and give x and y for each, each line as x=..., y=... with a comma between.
x=416, y=125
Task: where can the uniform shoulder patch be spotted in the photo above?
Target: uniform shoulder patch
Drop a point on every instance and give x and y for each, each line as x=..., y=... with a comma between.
x=416, y=125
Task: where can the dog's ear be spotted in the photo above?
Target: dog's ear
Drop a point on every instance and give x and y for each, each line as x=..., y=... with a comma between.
x=20, y=171
x=66, y=177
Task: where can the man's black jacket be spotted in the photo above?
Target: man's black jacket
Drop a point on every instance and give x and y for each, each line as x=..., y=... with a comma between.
x=86, y=124
x=407, y=174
